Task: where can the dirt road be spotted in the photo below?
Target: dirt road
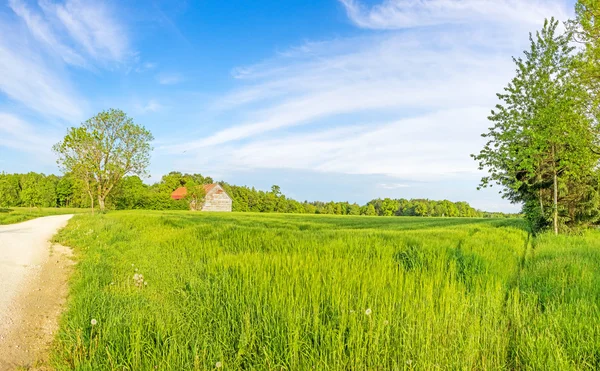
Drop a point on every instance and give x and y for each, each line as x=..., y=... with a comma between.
x=33, y=287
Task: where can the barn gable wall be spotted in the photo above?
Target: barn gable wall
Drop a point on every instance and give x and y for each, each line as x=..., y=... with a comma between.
x=217, y=200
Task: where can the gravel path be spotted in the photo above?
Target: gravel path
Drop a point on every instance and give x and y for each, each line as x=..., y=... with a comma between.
x=25, y=252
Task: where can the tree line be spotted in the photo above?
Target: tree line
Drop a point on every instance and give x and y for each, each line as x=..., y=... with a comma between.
x=39, y=190
x=543, y=147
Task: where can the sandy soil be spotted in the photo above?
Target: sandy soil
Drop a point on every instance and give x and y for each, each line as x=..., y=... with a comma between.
x=33, y=289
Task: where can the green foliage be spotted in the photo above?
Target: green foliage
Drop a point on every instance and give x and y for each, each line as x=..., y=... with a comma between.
x=103, y=150
x=9, y=195
x=586, y=28
x=195, y=195
x=542, y=148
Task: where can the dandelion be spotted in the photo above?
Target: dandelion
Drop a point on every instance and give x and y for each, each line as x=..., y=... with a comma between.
x=139, y=280
x=218, y=364
x=409, y=362
x=93, y=322
x=368, y=311
x=386, y=322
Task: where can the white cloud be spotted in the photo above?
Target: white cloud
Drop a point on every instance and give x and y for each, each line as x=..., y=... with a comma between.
x=147, y=66
x=401, y=73
x=433, y=81
x=26, y=78
x=418, y=148
x=393, y=185
x=92, y=26
x=399, y=14
x=38, y=42
x=152, y=105
x=169, y=78
x=44, y=32
x=22, y=136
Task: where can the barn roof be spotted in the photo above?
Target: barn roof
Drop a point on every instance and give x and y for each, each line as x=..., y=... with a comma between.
x=181, y=192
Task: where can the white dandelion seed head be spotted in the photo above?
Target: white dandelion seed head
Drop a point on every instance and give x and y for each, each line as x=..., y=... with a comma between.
x=368, y=311
x=93, y=322
x=409, y=362
x=386, y=322
x=218, y=364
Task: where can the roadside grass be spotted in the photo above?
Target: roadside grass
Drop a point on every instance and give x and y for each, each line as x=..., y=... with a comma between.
x=14, y=215
x=297, y=292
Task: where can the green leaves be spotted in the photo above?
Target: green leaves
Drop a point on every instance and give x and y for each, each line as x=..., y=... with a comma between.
x=542, y=129
x=103, y=150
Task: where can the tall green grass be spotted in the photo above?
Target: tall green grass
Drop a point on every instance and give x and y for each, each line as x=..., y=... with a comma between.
x=21, y=214
x=292, y=292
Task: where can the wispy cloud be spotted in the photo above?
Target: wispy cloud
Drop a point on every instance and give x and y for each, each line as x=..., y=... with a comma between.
x=147, y=66
x=169, y=78
x=401, y=14
x=417, y=148
x=26, y=78
x=152, y=105
x=393, y=185
x=417, y=98
x=40, y=41
x=92, y=26
x=44, y=32
x=22, y=136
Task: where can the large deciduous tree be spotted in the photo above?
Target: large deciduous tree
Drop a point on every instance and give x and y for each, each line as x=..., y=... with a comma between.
x=103, y=150
x=542, y=145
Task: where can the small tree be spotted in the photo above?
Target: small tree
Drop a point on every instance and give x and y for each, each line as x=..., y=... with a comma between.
x=103, y=150
x=195, y=195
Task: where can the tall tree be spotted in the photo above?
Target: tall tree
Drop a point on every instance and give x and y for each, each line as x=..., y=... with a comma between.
x=542, y=140
x=103, y=150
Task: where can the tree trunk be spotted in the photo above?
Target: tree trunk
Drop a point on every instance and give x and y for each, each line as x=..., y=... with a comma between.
x=92, y=201
x=555, y=192
x=101, y=203
x=541, y=203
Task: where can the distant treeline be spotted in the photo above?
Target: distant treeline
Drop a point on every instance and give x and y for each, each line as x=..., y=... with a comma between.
x=39, y=190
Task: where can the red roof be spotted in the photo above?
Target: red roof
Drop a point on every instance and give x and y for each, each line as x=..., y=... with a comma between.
x=181, y=192
x=209, y=187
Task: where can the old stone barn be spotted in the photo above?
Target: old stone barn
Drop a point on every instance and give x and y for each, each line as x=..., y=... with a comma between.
x=216, y=198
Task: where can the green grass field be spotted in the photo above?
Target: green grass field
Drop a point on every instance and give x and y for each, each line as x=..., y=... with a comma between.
x=293, y=292
x=21, y=214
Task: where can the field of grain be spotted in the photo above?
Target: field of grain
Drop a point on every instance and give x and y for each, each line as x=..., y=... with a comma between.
x=184, y=291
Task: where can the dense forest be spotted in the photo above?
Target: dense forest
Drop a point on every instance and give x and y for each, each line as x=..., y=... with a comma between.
x=39, y=190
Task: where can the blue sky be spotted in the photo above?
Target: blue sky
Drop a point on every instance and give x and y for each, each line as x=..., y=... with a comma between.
x=330, y=99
